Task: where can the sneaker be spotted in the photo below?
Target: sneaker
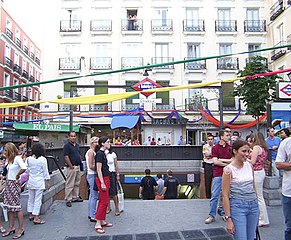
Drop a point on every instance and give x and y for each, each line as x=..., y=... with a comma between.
x=209, y=220
x=69, y=204
x=223, y=218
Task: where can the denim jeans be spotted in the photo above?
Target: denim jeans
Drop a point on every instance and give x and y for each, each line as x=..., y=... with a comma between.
x=93, y=197
x=286, y=203
x=244, y=215
x=215, y=194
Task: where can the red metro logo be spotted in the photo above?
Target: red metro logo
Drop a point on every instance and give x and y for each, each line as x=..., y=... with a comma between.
x=146, y=84
x=286, y=90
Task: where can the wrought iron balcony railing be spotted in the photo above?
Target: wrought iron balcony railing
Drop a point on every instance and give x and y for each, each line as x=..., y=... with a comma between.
x=227, y=63
x=17, y=69
x=193, y=104
x=24, y=99
x=25, y=49
x=66, y=107
x=37, y=60
x=197, y=65
x=8, y=62
x=277, y=53
x=131, y=25
x=165, y=106
x=9, y=94
x=25, y=74
x=31, y=78
x=159, y=60
x=162, y=25
x=101, y=25
x=276, y=10
x=18, y=42
x=100, y=63
x=263, y=61
x=130, y=62
x=71, y=26
x=193, y=25
x=100, y=107
x=9, y=33
x=17, y=97
x=69, y=64
x=255, y=26
x=32, y=56
x=225, y=25
x=129, y=106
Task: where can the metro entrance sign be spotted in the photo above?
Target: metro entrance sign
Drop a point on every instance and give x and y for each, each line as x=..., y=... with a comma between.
x=146, y=84
x=284, y=90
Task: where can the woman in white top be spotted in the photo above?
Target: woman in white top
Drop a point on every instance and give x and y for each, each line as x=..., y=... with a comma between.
x=91, y=177
x=114, y=178
x=11, y=199
x=38, y=176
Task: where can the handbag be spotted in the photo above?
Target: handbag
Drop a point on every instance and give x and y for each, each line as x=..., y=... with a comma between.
x=120, y=195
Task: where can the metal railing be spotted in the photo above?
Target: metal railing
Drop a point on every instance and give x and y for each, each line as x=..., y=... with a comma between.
x=9, y=33
x=255, y=26
x=101, y=25
x=31, y=78
x=197, y=65
x=25, y=49
x=25, y=74
x=100, y=63
x=165, y=106
x=192, y=104
x=263, y=61
x=69, y=64
x=193, y=25
x=32, y=56
x=157, y=60
x=277, y=53
x=100, y=107
x=131, y=25
x=18, y=42
x=227, y=63
x=8, y=62
x=225, y=25
x=129, y=106
x=276, y=10
x=162, y=25
x=37, y=60
x=71, y=26
x=66, y=107
x=17, y=69
x=129, y=62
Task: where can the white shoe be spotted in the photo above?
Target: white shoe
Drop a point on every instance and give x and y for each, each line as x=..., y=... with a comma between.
x=209, y=220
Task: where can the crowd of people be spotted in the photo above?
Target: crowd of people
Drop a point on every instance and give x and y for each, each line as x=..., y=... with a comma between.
x=236, y=168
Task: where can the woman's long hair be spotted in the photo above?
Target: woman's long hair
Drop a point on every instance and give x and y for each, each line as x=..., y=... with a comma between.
x=11, y=152
x=259, y=139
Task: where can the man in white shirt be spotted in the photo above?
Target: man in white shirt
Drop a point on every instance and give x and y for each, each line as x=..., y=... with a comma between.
x=283, y=162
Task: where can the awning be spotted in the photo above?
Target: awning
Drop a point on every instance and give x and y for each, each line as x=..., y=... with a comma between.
x=124, y=121
x=44, y=127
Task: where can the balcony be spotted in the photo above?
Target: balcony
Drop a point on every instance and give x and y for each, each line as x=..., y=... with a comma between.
x=231, y=104
x=100, y=26
x=17, y=69
x=162, y=26
x=263, y=61
x=9, y=94
x=9, y=33
x=131, y=62
x=18, y=42
x=277, y=53
x=31, y=78
x=159, y=60
x=276, y=10
x=131, y=25
x=100, y=63
x=66, y=108
x=129, y=106
x=69, y=64
x=255, y=26
x=25, y=49
x=192, y=25
x=8, y=63
x=100, y=107
x=197, y=65
x=73, y=26
x=24, y=99
x=225, y=26
x=164, y=106
x=289, y=40
x=227, y=63
x=17, y=97
x=25, y=74
x=193, y=104
x=32, y=56
x=37, y=61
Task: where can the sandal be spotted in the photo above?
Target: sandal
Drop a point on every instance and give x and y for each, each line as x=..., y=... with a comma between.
x=117, y=213
x=100, y=230
x=2, y=229
x=39, y=221
x=19, y=235
x=8, y=233
x=31, y=218
x=107, y=224
x=108, y=211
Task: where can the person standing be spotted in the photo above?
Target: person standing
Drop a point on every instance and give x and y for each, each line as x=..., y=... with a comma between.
x=257, y=159
x=171, y=186
x=103, y=184
x=273, y=144
x=221, y=155
x=283, y=162
x=38, y=178
x=208, y=164
x=181, y=141
x=148, y=142
x=285, y=133
x=114, y=179
x=11, y=198
x=73, y=160
x=160, y=182
x=153, y=142
x=239, y=196
x=91, y=176
x=147, y=187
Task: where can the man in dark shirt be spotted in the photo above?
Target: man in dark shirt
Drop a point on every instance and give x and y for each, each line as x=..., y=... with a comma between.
x=73, y=159
x=148, y=186
x=171, y=186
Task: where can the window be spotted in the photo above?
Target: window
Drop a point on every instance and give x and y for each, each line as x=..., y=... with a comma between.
x=7, y=51
x=103, y=89
x=225, y=48
x=35, y=96
x=16, y=58
x=192, y=17
x=161, y=15
x=129, y=84
x=163, y=95
x=252, y=47
x=22, y=115
x=280, y=33
x=25, y=42
x=24, y=65
x=30, y=70
x=228, y=100
x=8, y=24
x=71, y=50
x=17, y=33
x=193, y=51
x=67, y=88
x=6, y=80
x=223, y=14
x=161, y=52
x=253, y=14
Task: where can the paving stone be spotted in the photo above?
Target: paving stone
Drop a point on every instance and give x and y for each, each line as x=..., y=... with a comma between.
x=122, y=237
x=146, y=236
x=99, y=238
x=193, y=235
x=76, y=238
x=169, y=236
x=216, y=232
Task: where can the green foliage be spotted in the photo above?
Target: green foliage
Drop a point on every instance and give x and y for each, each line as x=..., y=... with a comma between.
x=255, y=93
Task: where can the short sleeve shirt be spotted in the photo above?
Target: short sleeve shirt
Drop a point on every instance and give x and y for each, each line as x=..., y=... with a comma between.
x=271, y=143
x=14, y=168
x=220, y=151
x=172, y=186
x=73, y=152
x=101, y=158
x=148, y=183
x=110, y=161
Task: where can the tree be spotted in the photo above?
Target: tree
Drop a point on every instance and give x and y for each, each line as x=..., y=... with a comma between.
x=256, y=93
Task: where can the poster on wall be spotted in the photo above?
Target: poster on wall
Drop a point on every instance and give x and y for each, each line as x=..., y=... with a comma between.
x=281, y=115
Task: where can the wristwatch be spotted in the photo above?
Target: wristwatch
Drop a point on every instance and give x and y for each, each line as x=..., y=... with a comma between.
x=227, y=217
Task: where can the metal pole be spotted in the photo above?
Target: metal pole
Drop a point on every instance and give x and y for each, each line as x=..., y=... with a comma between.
x=220, y=103
x=71, y=109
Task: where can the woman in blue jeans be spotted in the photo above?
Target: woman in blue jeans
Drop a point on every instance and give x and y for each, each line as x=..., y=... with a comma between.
x=91, y=175
x=239, y=197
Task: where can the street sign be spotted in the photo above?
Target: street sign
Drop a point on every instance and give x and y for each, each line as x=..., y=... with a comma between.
x=146, y=84
x=284, y=90
x=146, y=100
